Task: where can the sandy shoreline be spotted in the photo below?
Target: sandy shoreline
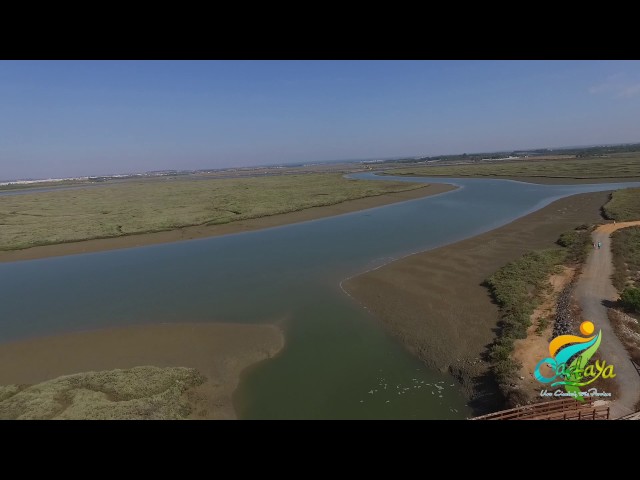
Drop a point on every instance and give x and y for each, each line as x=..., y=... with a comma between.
x=435, y=302
x=218, y=351
x=189, y=233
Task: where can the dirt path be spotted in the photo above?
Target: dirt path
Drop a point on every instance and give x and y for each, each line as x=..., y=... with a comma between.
x=593, y=287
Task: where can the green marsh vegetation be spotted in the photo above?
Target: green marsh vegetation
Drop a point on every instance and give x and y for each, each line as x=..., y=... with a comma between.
x=136, y=393
x=518, y=288
x=625, y=165
x=624, y=205
x=625, y=245
x=151, y=206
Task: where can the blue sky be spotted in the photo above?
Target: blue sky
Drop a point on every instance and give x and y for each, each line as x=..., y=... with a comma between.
x=66, y=118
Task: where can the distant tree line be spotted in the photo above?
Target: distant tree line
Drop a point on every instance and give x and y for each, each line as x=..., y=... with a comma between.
x=579, y=152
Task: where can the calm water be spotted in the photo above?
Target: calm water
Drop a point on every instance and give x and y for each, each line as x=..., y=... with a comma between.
x=338, y=362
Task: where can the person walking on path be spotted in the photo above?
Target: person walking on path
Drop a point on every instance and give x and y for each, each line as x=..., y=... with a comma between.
x=593, y=288
x=599, y=245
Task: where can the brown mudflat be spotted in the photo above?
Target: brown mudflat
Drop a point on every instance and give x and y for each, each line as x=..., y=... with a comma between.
x=217, y=351
x=435, y=302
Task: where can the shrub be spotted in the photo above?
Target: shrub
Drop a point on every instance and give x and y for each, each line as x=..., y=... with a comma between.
x=630, y=299
x=501, y=350
x=515, y=288
x=505, y=372
x=567, y=239
x=577, y=243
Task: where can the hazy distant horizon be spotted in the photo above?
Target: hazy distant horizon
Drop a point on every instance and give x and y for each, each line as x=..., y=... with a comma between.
x=340, y=160
x=90, y=118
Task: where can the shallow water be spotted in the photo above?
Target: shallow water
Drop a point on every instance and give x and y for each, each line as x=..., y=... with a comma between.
x=337, y=359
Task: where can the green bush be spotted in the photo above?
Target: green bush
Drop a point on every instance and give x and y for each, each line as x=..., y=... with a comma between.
x=505, y=372
x=567, y=239
x=516, y=288
x=501, y=350
x=577, y=243
x=517, y=328
x=630, y=299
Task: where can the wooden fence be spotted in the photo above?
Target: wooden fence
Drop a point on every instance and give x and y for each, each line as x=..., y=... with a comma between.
x=564, y=409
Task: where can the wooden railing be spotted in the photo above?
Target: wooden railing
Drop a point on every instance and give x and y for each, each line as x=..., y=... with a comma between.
x=594, y=413
x=564, y=409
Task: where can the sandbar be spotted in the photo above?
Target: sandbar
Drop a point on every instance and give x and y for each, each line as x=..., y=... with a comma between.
x=217, y=351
